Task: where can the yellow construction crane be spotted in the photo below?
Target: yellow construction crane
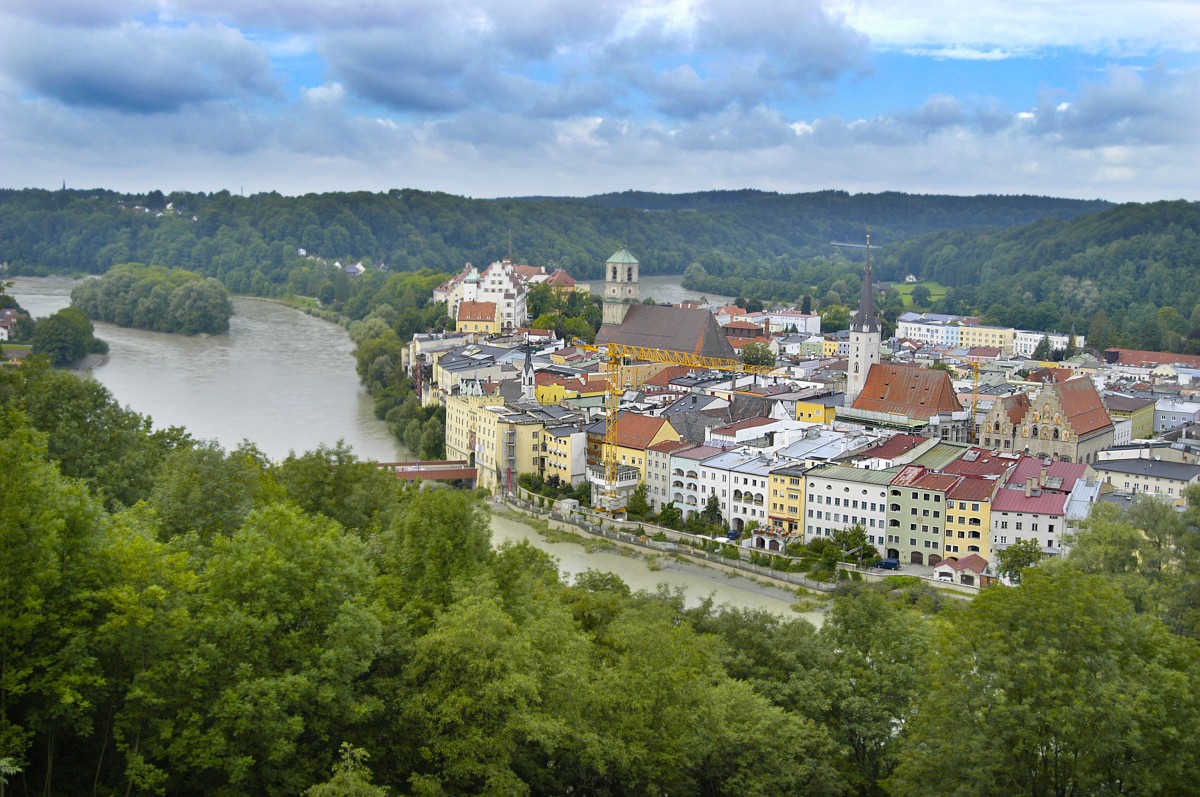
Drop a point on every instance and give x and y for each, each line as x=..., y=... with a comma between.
x=616, y=355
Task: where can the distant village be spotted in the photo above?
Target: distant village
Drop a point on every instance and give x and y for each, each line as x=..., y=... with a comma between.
x=945, y=443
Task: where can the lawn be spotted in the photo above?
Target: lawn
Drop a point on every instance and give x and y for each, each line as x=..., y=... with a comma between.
x=905, y=290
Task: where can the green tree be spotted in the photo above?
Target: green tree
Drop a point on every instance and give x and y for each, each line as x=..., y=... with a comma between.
x=1012, y=561
x=670, y=516
x=637, y=506
x=758, y=354
x=921, y=296
x=1042, y=350
x=712, y=511
x=66, y=337
x=835, y=318
x=351, y=777
x=1055, y=688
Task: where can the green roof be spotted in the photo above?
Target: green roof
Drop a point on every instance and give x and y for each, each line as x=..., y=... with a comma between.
x=622, y=256
x=941, y=455
x=851, y=474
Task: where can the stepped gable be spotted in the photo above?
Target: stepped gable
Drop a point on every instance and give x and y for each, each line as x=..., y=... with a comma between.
x=1082, y=405
x=907, y=390
x=1015, y=406
x=669, y=329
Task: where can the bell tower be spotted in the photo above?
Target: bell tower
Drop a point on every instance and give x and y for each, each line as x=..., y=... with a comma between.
x=620, y=286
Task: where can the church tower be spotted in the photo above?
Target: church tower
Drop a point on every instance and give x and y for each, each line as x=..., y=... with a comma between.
x=620, y=286
x=528, y=377
x=865, y=337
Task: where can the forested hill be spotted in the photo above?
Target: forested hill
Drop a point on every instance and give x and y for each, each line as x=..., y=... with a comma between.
x=1127, y=276
x=236, y=238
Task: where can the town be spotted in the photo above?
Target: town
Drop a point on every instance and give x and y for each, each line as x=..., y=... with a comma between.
x=945, y=444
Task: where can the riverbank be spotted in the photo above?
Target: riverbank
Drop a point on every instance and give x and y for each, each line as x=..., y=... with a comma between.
x=578, y=550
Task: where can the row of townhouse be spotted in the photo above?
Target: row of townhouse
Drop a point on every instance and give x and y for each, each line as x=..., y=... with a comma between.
x=952, y=331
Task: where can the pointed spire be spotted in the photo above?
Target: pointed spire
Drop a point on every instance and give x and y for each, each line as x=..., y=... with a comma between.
x=865, y=320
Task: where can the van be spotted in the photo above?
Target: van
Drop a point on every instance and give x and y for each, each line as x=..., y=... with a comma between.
x=889, y=564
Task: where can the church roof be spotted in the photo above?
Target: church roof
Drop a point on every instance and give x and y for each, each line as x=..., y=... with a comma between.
x=907, y=390
x=622, y=256
x=670, y=329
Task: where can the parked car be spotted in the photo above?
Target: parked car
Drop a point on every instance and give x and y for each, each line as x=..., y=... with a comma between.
x=889, y=564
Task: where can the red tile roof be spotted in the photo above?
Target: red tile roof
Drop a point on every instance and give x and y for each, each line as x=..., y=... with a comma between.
x=973, y=562
x=1082, y=405
x=1051, y=375
x=972, y=488
x=560, y=279
x=981, y=463
x=477, y=311
x=1140, y=357
x=907, y=390
x=1047, y=502
x=895, y=446
x=1061, y=476
x=636, y=431
x=663, y=378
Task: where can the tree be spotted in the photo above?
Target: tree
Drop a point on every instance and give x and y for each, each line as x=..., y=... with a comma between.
x=66, y=337
x=921, y=295
x=806, y=304
x=1055, y=688
x=670, y=516
x=351, y=777
x=758, y=354
x=637, y=507
x=1042, y=350
x=1012, y=561
x=835, y=318
x=712, y=511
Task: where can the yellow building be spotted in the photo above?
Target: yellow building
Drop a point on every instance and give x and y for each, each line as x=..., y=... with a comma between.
x=564, y=454
x=478, y=317
x=635, y=433
x=829, y=347
x=500, y=442
x=821, y=409
x=968, y=517
x=552, y=389
x=787, y=499
x=999, y=337
x=1139, y=411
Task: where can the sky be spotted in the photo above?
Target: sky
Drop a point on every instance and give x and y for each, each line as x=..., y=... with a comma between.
x=1095, y=99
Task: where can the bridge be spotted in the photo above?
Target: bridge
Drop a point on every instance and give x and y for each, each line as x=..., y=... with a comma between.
x=446, y=470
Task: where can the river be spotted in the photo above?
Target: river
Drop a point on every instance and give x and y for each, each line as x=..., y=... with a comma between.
x=665, y=288
x=286, y=381
x=280, y=379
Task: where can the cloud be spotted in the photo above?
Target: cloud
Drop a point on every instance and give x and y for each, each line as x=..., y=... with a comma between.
x=1022, y=26
x=1128, y=108
x=136, y=68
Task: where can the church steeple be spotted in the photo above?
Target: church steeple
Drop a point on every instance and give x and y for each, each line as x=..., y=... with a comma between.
x=866, y=320
x=865, y=337
x=528, y=377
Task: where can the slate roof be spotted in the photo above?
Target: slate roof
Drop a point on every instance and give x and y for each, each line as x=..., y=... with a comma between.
x=907, y=390
x=670, y=329
x=1115, y=402
x=865, y=319
x=1154, y=468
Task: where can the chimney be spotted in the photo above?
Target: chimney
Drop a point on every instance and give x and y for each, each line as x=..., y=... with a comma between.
x=1030, y=487
x=1042, y=475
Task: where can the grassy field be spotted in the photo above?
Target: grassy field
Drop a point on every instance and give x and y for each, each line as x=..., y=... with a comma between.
x=905, y=290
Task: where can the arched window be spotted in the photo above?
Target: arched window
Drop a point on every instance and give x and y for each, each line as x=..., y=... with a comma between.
x=1055, y=434
x=629, y=274
x=1035, y=431
x=614, y=273
x=997, y=429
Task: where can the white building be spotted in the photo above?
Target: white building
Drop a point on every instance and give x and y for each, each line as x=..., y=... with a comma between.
x=839, y=497
x=1025, y=341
